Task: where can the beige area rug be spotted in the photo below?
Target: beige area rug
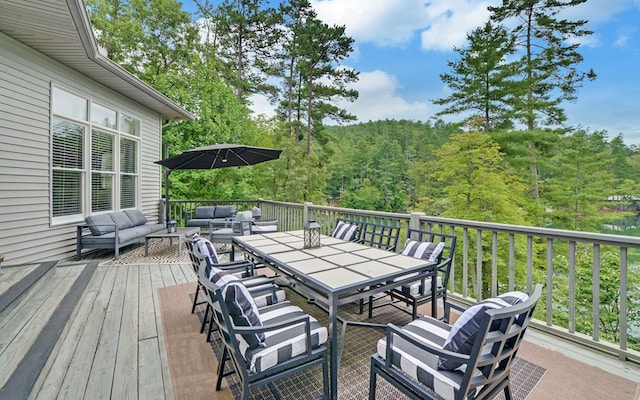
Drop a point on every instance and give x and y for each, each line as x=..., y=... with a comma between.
x=192, y=363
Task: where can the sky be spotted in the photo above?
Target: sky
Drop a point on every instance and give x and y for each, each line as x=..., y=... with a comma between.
x=402, y=46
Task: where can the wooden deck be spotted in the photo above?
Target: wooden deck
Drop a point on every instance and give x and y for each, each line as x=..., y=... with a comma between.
x=112, y=346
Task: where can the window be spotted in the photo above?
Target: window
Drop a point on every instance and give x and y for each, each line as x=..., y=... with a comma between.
x=95, y=154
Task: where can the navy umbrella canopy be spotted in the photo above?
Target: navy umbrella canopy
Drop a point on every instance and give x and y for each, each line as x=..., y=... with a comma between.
x=220, y=155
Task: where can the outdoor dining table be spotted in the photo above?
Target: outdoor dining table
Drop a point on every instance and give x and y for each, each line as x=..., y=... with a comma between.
x=338, y=272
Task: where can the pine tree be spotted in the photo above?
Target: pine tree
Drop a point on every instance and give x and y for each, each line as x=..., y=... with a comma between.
x=483, y=81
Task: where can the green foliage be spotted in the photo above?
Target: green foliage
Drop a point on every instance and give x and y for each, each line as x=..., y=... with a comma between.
x=608, y=291
x=482, y=81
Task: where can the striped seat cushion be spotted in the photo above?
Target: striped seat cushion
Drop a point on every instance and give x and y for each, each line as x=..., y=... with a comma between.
x=244, y=312
x=283, y=344
x=420, y=365
x=413, y=289
x=345, y=231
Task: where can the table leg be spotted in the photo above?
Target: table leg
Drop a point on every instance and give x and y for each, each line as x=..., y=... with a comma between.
x=180, y=247
x=434, y=293
x=333, y=349
x=146, y=246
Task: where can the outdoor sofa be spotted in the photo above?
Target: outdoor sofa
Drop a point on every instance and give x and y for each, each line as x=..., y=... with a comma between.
x=210, y=217
x=113, y=231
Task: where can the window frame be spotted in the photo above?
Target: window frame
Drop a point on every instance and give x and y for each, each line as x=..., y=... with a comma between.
x=88, y=171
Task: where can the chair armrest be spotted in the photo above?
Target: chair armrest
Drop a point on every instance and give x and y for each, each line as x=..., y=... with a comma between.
x=264, y=289
x=393, y=330
x=447, y=309
x=187, y=216
x=235, y=266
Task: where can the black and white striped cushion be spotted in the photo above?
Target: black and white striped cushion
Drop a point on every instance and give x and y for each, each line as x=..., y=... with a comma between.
x=344, y=231
x=283, y=344
x=205, y=247
x=424, y=250
x=465, y=330
x=244, y=312
x=422, y=365
x=260, y=287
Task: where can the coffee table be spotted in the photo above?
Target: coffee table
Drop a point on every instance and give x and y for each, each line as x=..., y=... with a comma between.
x=180, y=234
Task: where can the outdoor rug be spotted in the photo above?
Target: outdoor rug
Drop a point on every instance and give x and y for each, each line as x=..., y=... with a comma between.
x=360, y=344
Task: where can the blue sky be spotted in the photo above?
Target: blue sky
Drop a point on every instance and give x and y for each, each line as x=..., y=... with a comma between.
x=402, y=46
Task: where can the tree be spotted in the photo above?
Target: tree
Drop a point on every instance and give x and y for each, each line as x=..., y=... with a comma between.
x=549, y=62
x=310, y=66
x=244, y=35
x=476, y=187
x=152, y=39
x=482, y=81
x=581, y=182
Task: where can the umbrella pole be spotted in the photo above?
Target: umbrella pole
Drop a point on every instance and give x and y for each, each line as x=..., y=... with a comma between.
x=167, y=171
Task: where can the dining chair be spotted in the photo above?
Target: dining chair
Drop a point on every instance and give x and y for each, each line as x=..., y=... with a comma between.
x=267, y=344
x=471, y=359
x=435, y=247
x=380, y=236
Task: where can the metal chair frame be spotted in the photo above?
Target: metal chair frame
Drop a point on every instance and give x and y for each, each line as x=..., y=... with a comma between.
x=445, y=261
x=502, y=331
x=249, y=380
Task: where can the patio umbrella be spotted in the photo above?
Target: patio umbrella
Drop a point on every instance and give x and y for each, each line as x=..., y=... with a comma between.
x=221, y=155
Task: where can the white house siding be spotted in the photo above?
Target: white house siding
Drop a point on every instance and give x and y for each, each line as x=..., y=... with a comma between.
x=26, y=233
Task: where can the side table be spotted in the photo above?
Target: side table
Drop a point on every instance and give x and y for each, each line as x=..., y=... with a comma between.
x=180, y=234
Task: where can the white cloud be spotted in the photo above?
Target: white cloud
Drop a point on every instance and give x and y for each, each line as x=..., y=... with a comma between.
x=449, y=22
x=382, y=22
x=379, y=100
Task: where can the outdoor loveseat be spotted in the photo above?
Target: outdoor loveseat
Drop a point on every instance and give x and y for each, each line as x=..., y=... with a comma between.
x=210, y=217
x=113, y=231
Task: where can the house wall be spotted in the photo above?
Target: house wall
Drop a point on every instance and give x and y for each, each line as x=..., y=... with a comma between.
x=26, y=76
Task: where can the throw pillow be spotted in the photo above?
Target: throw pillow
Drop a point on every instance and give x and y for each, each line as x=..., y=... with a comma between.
x=100, y=224
x=136, y=216
x=464, y=332
x=244, y=312
x=237, y=223
x=224, y=211
x=122, y=220
x=204, y=212
x=205, y=247
x=345, y=231
x=265, y=226
x=424, y=250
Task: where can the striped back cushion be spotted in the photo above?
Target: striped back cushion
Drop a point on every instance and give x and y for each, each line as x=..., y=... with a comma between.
x=205, y=247
x=345, y=231
x=424, y=250
x=244, y=312
x=221, y=278
x=464, y=332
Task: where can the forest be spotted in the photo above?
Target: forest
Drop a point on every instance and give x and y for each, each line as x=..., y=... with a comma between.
x=508, y=157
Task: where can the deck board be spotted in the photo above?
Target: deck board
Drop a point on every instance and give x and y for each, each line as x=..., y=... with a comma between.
x=24, y=323
x=55, y=370
x=126, y=368
x=79, y=370
x=157, y=281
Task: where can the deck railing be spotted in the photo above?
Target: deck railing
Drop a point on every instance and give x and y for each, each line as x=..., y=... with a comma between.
x=494, y=258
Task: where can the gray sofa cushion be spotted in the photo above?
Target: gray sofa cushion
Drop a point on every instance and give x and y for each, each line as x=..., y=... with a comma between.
x=100, y=224
x=121, y=219
x=204, y=212
x=136, y=217
x=224, y=211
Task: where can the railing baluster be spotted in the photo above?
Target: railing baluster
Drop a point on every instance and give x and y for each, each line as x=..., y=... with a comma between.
x=623, y=298
x=549, y=281
x=572, y=286
x=512, y=266
x=595, y=305
x=494, y=264
x=465, y=262
x=479, y=264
